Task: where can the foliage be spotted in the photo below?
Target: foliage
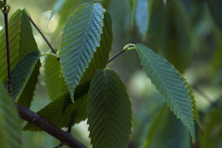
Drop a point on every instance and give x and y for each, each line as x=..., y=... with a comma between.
x=81, y=84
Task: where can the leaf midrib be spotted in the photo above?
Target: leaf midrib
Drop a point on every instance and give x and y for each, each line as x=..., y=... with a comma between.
x=163, y=84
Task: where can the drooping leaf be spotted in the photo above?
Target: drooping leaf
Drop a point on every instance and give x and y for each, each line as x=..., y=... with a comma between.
x=170, y=84
x=21, y=41
x=109, y=111
x=167, y=131
x=55, y=83
x=22, y=75
x=176, y=35
x=62, y=112
x=80, y=39
x=215, y=8
x=142, y=17
x=195, y=111
x=101, y=56
x=10, y=133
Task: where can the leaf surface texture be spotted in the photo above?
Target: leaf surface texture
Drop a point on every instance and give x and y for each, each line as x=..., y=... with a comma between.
x=80, y=39
x=10, y=132
x=170, y=84
x=109, y=111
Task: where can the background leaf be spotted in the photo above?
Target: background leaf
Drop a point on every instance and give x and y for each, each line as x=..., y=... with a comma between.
x=101, y=56
x=81, y=37
x=62, y=112
x=176, y=35
x=170, y=84
x=21, y=75
x=215, y=8
x=21, y=41
x=109, y=111
x=10, y=133
x=167, y=131
x=142, y=17
x=55, y=83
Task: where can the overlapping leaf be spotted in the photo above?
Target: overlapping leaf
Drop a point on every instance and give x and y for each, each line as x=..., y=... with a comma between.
x=155, y=26
x=24, y=78
x=109, y=111
x=80, y=39
x=10, y=133
x=62, y=112
x=55, y=83
x=21, y=41
x=167, y=131
x=142, y=17
x=101, y=56
x=215, y=8
x=170, y=84
x=176, y=35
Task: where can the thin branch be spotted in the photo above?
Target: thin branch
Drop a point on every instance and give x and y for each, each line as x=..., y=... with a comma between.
x=9, y=82
x=43, y=36
x=207, y=98
x=65, y=137
x=119, y=53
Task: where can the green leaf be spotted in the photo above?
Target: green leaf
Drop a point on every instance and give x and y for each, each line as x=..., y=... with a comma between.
x=216, y=63
x=62, y=112
x=109, y=111
x=142, y=17
x=22, y=75
x=215, y=8
x=156, y=11
x=21, y=41
x=10, y=133
x=55, y=83
x=170, y=84
x=101, y=56
x=212, y=128
x=176, y=35
x=167, y=131
x=81, y=37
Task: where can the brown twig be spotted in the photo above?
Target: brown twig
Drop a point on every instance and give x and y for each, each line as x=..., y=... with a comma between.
x=119, y=53
x=9, y=82
x=32, y=117
x=43, y=36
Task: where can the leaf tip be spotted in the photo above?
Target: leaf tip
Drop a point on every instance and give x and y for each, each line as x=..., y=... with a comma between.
x=193, y=144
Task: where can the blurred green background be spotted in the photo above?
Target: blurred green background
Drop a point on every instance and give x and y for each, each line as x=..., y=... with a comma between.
x=204, y=72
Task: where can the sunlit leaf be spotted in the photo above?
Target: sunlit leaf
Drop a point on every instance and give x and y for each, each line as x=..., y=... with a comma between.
x=167, y=131
x=21, y=41
x=215, y=8
x=170, y=84
x=62, y=112
x=109, y=111
x=101, y=56
x=80, y=39
x=55, y=83
x=10, y=133
x=23, y=74
x=142, y=17
x=176, y=35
